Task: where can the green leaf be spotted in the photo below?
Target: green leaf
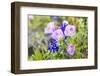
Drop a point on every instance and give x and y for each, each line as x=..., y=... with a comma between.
x=38, y=55
x=78, y=55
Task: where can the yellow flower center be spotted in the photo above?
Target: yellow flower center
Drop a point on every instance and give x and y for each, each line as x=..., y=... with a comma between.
x=71, y=33
x=60, y=37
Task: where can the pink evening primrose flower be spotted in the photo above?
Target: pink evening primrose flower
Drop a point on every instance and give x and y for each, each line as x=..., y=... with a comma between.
x=70, y=30
x=50, y=28
x=71, y=49
x=57, y=35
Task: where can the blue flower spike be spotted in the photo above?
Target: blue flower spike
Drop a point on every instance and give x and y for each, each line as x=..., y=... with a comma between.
x=64, y=24
x=53, y=47
x=54, y=18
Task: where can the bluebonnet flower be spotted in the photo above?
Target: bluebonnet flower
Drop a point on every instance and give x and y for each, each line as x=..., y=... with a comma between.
x=52, y=41
x=54, y=18
x=53, y=46
x=70, y=30
x=71, y=49
x=58, y=35
x=64, y=24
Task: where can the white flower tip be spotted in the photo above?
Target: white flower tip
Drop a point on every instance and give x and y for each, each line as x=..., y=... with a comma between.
x=65, y=21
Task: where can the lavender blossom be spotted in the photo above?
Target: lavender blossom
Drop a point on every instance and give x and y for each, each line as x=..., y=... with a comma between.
x=71, y=49
x=50, y=28
x=57, y=35
x=70, y=30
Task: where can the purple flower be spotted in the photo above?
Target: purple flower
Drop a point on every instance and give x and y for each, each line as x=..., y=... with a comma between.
x=54, y=18
x=52, y=41
x=71, y=49
x=58, y=35
x=50, y=28
x=70, y=30
x=53, y=46
x=64, y=24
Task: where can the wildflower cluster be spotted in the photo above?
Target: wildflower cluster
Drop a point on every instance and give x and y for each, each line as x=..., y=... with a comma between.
x=57, y=37
x=60, y=34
